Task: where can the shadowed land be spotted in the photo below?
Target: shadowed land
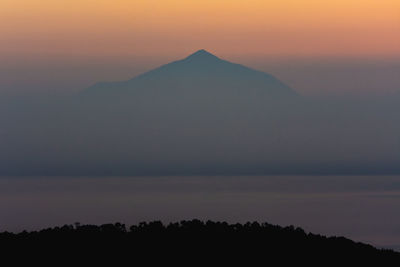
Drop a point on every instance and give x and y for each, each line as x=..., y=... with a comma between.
x=191, y=242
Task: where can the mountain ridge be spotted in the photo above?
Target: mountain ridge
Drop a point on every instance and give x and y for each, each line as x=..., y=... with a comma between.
x=199, y=70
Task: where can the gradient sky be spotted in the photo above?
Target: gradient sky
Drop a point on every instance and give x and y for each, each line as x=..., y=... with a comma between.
x=64, y=34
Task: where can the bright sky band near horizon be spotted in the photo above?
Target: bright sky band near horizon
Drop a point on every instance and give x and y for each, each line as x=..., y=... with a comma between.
x=287, y=28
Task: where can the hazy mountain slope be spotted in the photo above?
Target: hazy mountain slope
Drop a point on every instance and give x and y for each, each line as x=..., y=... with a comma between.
x=199, y=115
x=199, y=75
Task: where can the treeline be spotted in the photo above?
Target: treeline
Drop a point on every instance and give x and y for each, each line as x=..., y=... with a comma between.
x=190, y=242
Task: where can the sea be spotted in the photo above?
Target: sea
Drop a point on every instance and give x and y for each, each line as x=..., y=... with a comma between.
x=362, y=208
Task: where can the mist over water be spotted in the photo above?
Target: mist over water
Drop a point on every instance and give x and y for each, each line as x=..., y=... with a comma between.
x=208, y=136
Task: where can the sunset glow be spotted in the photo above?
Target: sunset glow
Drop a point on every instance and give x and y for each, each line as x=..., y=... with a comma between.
x=280, y=28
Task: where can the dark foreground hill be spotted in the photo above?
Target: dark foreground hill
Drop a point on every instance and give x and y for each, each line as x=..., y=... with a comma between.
x=190, y=243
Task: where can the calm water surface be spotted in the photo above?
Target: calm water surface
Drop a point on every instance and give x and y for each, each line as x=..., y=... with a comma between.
x=363, y=208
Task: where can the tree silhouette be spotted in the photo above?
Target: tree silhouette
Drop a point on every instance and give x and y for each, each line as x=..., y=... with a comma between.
x=189, y=242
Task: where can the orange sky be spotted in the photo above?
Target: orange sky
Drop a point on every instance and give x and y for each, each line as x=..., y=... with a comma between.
x=96, y=28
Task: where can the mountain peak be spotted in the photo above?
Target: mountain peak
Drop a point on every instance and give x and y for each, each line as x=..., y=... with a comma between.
x=201, y=55
x=197, y=73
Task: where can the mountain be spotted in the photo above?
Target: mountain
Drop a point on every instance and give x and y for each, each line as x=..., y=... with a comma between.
x=200, y=75
x=198, y=115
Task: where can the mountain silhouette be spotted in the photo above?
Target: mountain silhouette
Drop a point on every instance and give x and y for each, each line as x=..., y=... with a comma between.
x=201, y=75
x=200, y=115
